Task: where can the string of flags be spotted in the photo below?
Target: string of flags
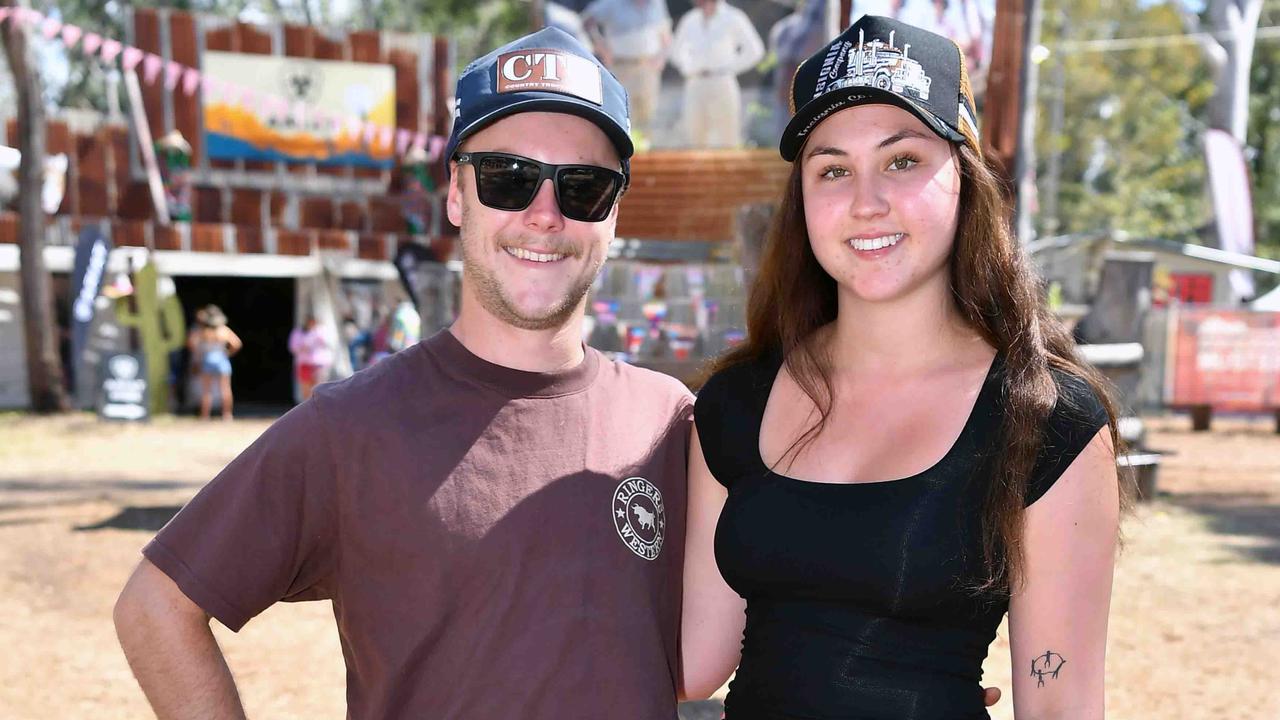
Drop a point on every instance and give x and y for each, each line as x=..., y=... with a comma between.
x=175, y=75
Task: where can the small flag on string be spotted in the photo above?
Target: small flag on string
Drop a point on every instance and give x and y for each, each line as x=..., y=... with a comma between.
x=190, y=81
x=151, y=66
x=50, y=28
x=110, y=49
x=172, y=73
x=436, y=147
x=131, y=57
x=402, y=140
x=92, y=41
x=71, y=35
x=385, y=136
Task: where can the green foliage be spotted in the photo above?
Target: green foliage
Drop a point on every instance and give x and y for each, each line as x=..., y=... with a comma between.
x=1131, y=155
x=1264, y=134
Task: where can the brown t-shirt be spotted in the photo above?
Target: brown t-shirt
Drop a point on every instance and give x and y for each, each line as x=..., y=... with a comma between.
x=496, y=543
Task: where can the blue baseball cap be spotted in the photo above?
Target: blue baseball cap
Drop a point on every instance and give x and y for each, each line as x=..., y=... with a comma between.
x=545, y=71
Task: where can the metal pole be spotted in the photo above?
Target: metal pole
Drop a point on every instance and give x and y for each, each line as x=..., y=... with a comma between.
x=143, y=130
x=1025, y=159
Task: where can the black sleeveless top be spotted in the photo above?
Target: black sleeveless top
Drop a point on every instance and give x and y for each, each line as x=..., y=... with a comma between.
x=856, y=594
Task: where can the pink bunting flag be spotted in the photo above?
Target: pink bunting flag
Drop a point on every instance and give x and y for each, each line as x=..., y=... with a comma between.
x=370, y=130
x=92, y=41
x=151, y=66
x=172, y=73
x=436, y=147
x=110, y=49
x=354, y=127
x=385, y=135
x=419, y=141
x=71, y=35
x=402, y=140
x=248, y=97
x=300, y=114
x=129, y=58
x=29, y=16
x=50, y=29
x=190, y=81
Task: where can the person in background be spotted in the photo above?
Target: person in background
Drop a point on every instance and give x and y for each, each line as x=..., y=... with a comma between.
x=564, y=18
x=632, y=37
x=791, y=40
x=312, y=356
x=212, y=344
x=714, y=44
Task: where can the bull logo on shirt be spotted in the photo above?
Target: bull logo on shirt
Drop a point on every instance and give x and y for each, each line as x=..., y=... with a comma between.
x=639, y=516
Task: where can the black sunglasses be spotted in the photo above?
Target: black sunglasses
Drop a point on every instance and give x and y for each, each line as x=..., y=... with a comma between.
x=510, y=182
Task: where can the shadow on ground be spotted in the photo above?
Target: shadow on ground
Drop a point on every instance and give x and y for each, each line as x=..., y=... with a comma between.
x=136, y=518
x=701, y=710
x=1253, y=515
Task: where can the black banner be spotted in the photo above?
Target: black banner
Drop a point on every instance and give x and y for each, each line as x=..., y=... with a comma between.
x=409, y=258
x=92, y=250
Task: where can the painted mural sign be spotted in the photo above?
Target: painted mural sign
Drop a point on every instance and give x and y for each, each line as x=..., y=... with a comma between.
x=1226, y=359
x=266, y=107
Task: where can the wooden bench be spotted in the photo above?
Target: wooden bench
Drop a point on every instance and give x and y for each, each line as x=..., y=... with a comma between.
x=693, y=194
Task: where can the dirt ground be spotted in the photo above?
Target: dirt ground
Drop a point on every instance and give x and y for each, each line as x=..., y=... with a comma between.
x=1195, y=622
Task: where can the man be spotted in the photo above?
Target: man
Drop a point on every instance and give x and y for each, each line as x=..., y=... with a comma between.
x=632, y=36
x=497, y=513
x=714, y=44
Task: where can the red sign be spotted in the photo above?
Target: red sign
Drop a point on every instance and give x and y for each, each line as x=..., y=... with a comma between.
x=1227, y=359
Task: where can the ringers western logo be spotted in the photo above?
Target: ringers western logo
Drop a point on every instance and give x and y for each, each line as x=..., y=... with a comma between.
x=550, y=71
x=639, y=517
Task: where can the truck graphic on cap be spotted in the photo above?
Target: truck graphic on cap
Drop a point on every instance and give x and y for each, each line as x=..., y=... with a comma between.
x=880, y=65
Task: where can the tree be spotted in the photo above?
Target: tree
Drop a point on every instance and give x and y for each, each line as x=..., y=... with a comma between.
x=1263, y=147
x=44, y=370
x=1121, y=148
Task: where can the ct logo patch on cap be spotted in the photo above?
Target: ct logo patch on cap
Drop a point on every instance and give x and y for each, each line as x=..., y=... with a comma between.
x=550, y=71
x=639, y=516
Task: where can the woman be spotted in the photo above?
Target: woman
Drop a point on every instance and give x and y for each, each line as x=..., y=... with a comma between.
x=312, y=356
x=906, y=446
x=212, y=344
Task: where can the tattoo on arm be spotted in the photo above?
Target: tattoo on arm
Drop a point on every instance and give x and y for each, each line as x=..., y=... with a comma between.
x=1048, y=663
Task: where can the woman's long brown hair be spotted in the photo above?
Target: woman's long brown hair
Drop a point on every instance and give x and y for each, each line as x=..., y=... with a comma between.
x=996, y=292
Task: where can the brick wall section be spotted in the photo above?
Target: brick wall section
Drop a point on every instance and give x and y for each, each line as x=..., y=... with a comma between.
x=146, y=35
x=91, y=175
x=371, y=247
x=9, y=228
x=206, y=237
x=249, y=240
x=333, y=240
x=186, y=108
x=166, y=237
x=351, y=216
x=129, y=233
x=293, y=242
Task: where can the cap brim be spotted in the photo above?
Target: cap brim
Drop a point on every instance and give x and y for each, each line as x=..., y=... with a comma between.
x=817, y=110
x=552, y=102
